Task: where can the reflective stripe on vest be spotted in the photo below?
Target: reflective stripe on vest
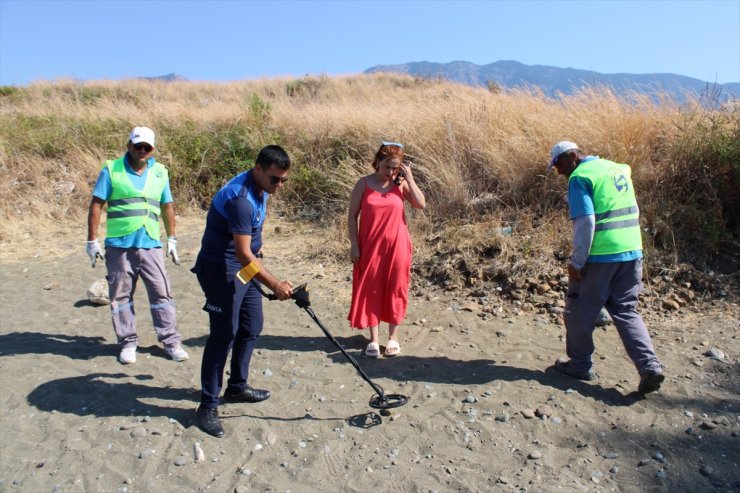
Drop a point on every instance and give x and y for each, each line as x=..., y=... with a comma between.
x=615, y=206
x=135, y=200
x=128, y=208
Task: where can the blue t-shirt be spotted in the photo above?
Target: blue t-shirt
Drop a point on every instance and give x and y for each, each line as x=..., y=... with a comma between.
x=581, y=203
x=103, y=190
x=238, y=208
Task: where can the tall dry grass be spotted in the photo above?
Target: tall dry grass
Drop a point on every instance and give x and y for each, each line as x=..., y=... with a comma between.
x=478, y=155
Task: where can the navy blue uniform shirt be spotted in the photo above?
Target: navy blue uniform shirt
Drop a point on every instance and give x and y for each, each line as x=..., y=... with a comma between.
x=237, y=208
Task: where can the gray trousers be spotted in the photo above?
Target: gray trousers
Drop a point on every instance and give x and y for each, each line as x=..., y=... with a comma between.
x=615, y=286
x=125, y=266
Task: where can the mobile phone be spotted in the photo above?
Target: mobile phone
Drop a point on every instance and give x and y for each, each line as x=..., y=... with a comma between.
x=397, y=179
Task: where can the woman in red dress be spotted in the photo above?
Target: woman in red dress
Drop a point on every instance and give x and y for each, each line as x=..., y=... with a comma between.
x=381, y=246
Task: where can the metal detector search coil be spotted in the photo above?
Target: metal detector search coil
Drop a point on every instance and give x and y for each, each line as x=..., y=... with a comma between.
x=380, y=400
x=388, y=401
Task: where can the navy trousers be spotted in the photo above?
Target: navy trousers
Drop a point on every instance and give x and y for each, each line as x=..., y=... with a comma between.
x=236, y=319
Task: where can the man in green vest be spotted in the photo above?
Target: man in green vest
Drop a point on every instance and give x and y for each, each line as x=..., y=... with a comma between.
x=605, y=269
x=137, y=190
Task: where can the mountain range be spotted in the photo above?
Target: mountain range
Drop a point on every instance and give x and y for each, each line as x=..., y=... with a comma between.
x=554, y=80
x=172, y=77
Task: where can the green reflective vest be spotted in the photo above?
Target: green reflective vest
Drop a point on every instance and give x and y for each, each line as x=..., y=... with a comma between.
x=615, y=206
x=128, y=208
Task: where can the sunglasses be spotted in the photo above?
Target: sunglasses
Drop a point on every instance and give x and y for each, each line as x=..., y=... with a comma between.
x=143, y=145
x=274, y=180
x=394, y=144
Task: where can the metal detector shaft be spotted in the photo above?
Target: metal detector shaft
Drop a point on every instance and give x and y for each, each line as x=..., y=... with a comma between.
x=326, y=332
x=375, y=387
x=379, y=401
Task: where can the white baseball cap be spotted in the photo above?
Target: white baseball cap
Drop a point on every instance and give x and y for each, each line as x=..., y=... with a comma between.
x=142, y=134
x=558, y=149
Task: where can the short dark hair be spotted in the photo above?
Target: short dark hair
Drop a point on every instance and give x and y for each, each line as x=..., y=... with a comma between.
x=273, y=155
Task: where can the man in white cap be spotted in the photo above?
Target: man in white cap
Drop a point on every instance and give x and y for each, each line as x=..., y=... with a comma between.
x=605, y=269
x=137, y=190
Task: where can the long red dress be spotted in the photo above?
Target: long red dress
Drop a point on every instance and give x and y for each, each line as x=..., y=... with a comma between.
x=380, y=278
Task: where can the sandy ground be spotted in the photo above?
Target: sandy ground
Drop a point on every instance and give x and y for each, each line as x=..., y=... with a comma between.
x=75, y=420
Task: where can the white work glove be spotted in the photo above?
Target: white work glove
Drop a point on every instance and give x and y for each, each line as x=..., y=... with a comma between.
x=172, y=249
x=93, y=251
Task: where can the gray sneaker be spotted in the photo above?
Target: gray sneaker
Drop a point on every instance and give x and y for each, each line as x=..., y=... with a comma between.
x=650, y=382
x=564, y=367
x=177, y=353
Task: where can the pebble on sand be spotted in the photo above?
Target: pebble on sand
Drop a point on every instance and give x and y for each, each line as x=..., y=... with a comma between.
x=543, y=410
x=198, y=453
x=714, y=353
x=97, y=293
x=528, y=413
x=138, y=432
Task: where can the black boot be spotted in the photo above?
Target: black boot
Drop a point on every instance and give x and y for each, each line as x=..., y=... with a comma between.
x=247, y=394
x=208, y=421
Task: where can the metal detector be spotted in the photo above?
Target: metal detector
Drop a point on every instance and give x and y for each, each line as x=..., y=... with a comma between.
x=378, y=401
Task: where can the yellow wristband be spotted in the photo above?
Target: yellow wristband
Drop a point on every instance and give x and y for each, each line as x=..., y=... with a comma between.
x=248, y=272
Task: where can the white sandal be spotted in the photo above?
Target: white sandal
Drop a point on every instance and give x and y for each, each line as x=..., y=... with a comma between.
x=372, y=350
x=394, y=347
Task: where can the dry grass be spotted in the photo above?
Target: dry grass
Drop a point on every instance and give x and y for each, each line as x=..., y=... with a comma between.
x=479, y=156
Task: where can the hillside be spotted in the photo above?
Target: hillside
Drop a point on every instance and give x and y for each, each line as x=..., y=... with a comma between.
x=479, y=157
x=554, y=81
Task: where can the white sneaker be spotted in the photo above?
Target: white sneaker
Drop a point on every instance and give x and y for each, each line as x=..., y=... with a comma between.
x=177, y=353
x=128, y=355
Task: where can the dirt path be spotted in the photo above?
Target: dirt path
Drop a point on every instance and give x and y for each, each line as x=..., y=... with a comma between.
x=74, y=420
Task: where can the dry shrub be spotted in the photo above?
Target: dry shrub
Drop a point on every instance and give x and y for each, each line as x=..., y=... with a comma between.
x=694, y=205
x=491, y=251
x=478, y=155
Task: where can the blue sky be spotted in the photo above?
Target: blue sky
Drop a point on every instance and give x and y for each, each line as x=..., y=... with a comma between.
x=236, y=40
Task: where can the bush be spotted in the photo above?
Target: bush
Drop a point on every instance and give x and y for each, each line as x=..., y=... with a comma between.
x=702, y=189
x=479, y=157
x=10, y=91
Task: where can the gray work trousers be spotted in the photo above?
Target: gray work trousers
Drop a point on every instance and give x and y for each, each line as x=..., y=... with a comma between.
x=615, y=286
x=125, y=265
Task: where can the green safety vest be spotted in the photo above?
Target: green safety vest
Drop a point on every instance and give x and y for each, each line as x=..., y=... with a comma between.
x=615, y=206
x=128, y=208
